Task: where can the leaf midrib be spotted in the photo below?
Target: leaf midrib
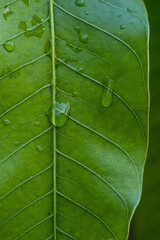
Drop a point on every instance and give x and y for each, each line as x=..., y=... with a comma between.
x=53, y=82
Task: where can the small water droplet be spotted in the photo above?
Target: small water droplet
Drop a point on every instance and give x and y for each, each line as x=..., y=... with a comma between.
x=75, y=94
x=37, y=124
x=63, y=59
x=107, y=97
x=16, y=143
x=27, y=2
x=7, y=13
x=9, y=46
x=59, y=114
x=80, y=69
x=87, y=13
x=6, y=122
x=80, y=3
x=22, y=25
x=40, y=149
x=78, y=29
x=76, y=49
x=130, y=9
x=83, y=38
x=122, y=27
x=69, y=59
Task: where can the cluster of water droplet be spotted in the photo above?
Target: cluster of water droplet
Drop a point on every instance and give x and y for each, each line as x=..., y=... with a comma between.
x=60, y=112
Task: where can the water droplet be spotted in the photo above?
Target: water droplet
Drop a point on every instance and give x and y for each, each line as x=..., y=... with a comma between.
x=9, y=46
x=122, y=27
x=40, y=149
x=119, y=15
x=59, y=114
x=69, y=59
x=6, y=122
x=27, y=2
x=7, y=13
x=35, y=20
x=80, y=3
x=80, y=69
x=37, y=124
x=76, y=49
x=75, y=94
x=130, y=9
x=22, y=25
x=78, y=29
x=16, y=143
x=107, y=97
x=87, y=13
x=36, y=31
x=83, y=37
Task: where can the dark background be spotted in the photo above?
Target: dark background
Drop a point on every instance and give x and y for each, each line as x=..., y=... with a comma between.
x=146, y=222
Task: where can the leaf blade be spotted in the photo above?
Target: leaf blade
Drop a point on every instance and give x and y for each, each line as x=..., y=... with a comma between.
x=98, y=145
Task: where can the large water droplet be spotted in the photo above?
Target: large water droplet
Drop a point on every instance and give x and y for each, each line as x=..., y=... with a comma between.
x=107, y=97
x=40, y=149
x=59, y=114
x=35, y=30
x=122, y=27
x=9, y=46
x=7, y=13
x=80, y=3
x=83, y=37
x=37, y=124
x=6, y=122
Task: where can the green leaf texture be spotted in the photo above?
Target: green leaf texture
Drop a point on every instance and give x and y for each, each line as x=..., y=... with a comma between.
x=82, y=65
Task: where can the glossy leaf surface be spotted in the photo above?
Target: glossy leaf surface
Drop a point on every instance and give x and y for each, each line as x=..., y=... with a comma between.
x=81, y=179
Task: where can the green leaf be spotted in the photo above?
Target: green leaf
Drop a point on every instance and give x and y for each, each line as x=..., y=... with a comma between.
x=81, y=179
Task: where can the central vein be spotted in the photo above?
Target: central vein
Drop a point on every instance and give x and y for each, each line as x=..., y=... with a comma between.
x=52, y=27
